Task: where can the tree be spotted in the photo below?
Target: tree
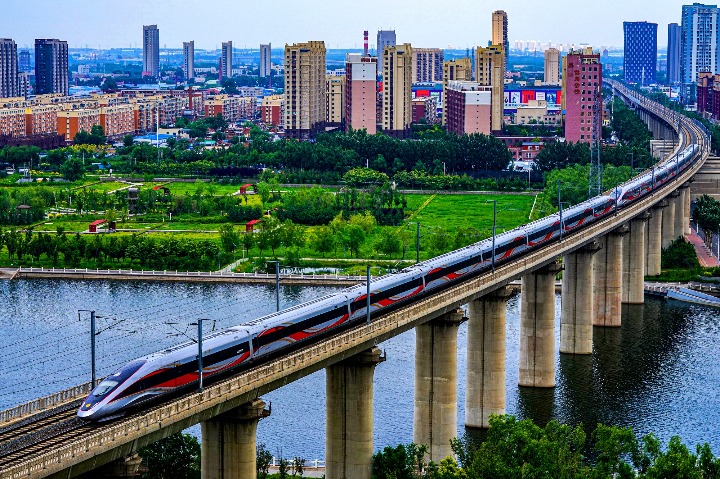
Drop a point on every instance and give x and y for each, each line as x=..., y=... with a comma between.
x=388, y=242
x=323, y=240
x=95, y=137
x=109, y=85
x=229, y=238
x=128, y=141
x=353, y=238
x=175, y=457
x=262, y=462
x=72, y=169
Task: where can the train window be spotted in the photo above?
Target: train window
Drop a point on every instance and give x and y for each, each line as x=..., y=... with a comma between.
x=104, y=387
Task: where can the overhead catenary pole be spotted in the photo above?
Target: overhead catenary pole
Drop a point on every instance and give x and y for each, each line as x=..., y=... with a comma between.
x=560, y=209
x=92, y=343
x=367, y=295
x=417, y=242
x=494, y=230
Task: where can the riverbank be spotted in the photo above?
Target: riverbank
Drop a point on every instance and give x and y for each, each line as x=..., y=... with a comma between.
x=180, y=276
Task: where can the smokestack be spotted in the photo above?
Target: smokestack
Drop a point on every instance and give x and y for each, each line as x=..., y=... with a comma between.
x=365, y=50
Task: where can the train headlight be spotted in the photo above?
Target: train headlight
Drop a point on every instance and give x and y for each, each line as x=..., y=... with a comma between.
x=87, y=406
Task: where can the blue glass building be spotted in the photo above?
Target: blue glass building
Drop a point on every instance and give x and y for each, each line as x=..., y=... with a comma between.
x=640, y=63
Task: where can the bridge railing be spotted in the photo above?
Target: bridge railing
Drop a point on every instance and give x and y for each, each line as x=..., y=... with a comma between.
x=191, y=274
x=47, y=402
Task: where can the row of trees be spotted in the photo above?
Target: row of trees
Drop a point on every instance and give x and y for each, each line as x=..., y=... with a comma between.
x=521, y=449
x=512, y=449
x=122, y=251
x=707, y=216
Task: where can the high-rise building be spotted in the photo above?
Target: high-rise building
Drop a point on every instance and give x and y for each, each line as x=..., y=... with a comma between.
x=469, y=108
x=500, y=32
x=700, y=37
x=8, y=68
x=552, y=66
x=24, y=84
x=189, y=59
x=582, y=96
x=427, y=65
x=490, y=71
x=674, y=53
x=265, y=60
x=397, y=90
x=51, y=66
x=640, y=57
x=226, y=60
x=459, y=69
x=385, y=38
x=334, y=100
x=24, y=61
x=361, y=93
x=151, y=50
x=304, y=89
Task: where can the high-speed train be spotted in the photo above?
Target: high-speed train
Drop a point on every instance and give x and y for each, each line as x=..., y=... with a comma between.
x=173, y=370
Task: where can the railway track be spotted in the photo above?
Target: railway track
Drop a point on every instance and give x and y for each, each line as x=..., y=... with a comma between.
x=38, y=433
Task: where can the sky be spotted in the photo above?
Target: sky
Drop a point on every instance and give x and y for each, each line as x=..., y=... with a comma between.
x=340, y=23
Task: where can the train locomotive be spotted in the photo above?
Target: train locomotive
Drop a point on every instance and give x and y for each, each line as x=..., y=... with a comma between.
x=174, y=370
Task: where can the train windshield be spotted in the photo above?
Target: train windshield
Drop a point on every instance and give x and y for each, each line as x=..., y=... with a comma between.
x=111, y=382
x=104, y=387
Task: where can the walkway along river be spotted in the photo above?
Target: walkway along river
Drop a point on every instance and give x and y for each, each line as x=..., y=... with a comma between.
x=658, y=373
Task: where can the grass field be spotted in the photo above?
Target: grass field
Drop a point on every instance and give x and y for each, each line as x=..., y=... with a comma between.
x=442, y=214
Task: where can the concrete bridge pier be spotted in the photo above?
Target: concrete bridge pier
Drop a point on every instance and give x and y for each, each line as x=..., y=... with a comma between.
x=485, y=373
x=349, y=423
x=634, y=261
x=686, y=208
x=654, y=240
x=229, y=444
x=435, y=415
x=537, y=328
x=680, y=213
x=608, y=278
x=668, y=221
x=576, y=318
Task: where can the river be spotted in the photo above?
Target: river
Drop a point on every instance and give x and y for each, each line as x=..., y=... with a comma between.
x=658, y=373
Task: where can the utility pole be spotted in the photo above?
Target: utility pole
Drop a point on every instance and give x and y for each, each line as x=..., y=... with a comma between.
x=277, y=285
x=494, y=230
x=367, y=295
x=417, y=242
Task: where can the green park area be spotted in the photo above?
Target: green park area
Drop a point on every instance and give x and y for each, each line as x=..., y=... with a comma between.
x=200, y=225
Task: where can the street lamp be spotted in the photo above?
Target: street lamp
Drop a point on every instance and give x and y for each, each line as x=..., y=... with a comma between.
x=92, y=341
x=417, y=240
x=560, y=210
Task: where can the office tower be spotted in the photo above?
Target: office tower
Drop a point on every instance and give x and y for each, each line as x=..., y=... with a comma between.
x=189, y=60
x=700, y=36
x=397, y=90
x=582, y=96
x=427, y=65
x=24, y=61
x=334, y=100
x=459, y=70
x=304, y=89
x=151, y=50
x=51, y=66
x=385, y=38
x=226, y=60
x=500, y=32
x=490, y=71
x=23, y=84
x=8, y=68
x=469, y=108
x=674, y=53
x=265, y=60
x=552, y=66
x=361, y=93
x=640, y=58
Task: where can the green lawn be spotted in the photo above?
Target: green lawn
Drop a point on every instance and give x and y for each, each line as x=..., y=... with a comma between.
x=182, y=188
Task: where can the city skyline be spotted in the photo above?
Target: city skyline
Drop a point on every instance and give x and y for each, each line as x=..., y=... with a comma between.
x=460, y=24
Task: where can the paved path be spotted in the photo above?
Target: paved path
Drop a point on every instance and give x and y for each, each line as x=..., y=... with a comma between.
x=704, y=255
